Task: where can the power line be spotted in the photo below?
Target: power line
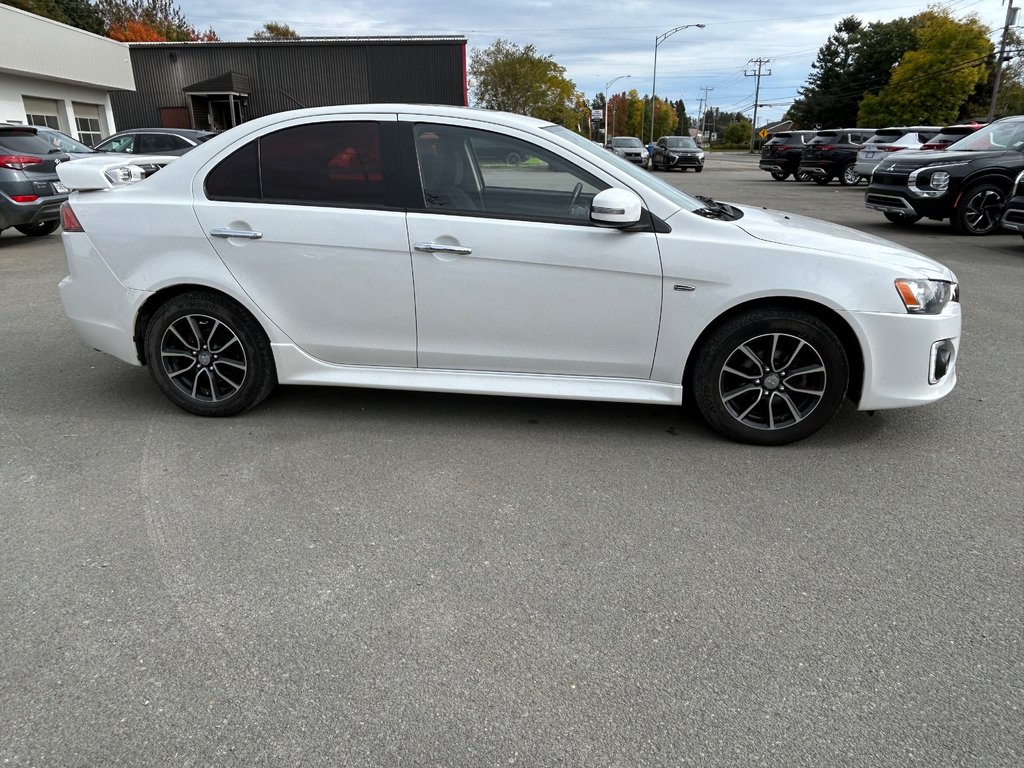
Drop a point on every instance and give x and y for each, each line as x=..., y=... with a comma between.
x=761, y=63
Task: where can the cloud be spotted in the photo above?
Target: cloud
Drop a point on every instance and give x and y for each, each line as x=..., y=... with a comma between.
x=597, y=41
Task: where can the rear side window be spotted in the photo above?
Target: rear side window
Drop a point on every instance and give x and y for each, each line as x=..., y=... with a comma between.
x=153, y=143
x=336, y=163
x=24, y=141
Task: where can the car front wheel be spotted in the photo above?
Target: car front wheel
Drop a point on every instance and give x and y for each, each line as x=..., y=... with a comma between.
x=779, y=175
x=821, y=180
x=979, y=210
x=770, y=377
x=208, y=355
x=38, y=230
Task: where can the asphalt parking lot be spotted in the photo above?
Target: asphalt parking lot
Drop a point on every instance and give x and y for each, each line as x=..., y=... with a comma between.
x=360, y=578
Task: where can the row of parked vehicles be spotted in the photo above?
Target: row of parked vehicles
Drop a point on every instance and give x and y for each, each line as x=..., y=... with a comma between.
x=966, y=174
x=30, y=192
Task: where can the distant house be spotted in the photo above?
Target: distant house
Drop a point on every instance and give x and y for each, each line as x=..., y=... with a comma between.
x=215, y=85
x=56, y=75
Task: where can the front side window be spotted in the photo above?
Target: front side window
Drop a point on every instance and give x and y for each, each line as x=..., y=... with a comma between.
x=459, y=174
x=336, y=163
x=118, y=144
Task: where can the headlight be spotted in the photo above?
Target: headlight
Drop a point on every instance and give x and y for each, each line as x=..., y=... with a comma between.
x=700, y=155
x=926, y=297
x=939, y=180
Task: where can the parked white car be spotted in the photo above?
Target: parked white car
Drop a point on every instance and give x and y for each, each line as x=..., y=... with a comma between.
x=889, y=140
x=365, y=246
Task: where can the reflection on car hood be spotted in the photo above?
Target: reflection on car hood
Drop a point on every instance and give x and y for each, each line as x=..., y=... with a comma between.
x=804, y=232
x=911, y=159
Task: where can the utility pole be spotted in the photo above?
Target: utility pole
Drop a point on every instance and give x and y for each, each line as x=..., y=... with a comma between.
x=761, y=63
x=1011, y=21
x=703, y=111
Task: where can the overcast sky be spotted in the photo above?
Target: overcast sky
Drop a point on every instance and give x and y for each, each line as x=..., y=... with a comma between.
x=599, y=40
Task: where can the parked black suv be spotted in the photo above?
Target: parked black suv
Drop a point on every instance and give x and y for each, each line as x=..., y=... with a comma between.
x=832, y=153
x=781, y=154
x=968, y=183
x=680, y=152
x=30, y=192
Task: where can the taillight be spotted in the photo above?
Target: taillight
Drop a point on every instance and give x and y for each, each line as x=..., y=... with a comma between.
x=825, y=147
x=68, y=220
x=24, y=198
x=889, y=148
x=19, y=162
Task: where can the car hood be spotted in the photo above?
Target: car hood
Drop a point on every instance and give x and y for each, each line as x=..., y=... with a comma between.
x=910, y=159
x=804, y=232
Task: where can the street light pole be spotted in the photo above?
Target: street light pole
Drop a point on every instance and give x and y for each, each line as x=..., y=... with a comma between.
x=654, y=80
x=607, y=103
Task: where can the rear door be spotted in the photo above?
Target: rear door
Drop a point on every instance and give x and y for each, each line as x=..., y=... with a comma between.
x=308, y=219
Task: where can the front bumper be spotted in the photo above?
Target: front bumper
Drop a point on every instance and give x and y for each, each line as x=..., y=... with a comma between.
x=897, y=199
x=101, y=308
x=909, y=359
x=1013, y=214
x=684, y=161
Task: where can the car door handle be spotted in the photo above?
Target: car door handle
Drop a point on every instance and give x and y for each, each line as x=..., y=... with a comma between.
x=246, y=234
x=439, y=248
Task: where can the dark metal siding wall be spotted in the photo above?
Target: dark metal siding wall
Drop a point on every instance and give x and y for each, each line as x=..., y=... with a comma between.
x=289, y=75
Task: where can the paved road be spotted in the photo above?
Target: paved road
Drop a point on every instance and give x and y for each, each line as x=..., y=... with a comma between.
x=357, y=578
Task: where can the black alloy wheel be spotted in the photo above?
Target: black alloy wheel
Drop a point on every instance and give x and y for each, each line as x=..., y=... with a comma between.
x=38, y=230
x=779, y=175
x=979, y=211
x=208, y=355
x=821, y=181
x=770, y=377
x=802, y=176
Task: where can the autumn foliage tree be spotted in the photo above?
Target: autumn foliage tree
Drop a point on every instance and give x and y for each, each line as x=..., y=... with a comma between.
x=161, y=18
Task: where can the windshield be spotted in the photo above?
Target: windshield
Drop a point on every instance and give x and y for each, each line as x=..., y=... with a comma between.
x=1004, y=134
x=626, y=141
x=634, y=171
x=680, y=143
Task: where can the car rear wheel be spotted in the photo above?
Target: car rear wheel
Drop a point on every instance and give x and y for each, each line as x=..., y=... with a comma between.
x=802, y=176
x=38, y=230
x=821, y=180
x=770, y=377
x=903, y=219
x=849, y=177
x=779, y=175
x=208, y=355
x=979, y=210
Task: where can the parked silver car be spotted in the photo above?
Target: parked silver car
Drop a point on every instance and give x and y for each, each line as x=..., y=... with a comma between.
x=888, y=140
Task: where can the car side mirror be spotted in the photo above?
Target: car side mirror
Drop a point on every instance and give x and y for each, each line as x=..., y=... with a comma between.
x=618, y=208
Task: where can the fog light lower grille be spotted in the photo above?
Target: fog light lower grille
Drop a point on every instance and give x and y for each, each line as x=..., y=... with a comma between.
x=941, y=362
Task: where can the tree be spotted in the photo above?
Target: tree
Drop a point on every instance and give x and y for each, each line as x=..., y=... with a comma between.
x=272, y=30
x=76, y=13
x=827, y=98
x=739, y=132
x=135, y=31
x=162, y=16
x=518, y=79
x=932, y=83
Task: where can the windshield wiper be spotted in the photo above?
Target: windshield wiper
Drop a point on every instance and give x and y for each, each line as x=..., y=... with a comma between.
x=717, y=210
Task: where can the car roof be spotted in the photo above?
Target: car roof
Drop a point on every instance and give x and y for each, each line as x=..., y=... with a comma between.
x=903, y=130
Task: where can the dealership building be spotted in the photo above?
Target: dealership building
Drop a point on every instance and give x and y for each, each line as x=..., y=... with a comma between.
x=89, y=86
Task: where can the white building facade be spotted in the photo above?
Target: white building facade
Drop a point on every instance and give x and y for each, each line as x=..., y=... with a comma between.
x=56, y=75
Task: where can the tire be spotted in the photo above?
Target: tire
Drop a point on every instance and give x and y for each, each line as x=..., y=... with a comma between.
x=979, y=210
x=802, y=176
x=38, y=230
x=821, y=181
x=779, y=175
x=513, y=158
x=901, y=219
x=188, y=343
x=698, y=169
x=848, y=177
x=766, y=404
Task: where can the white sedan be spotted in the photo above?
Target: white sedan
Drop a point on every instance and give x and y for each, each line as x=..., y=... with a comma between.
x=368, y=246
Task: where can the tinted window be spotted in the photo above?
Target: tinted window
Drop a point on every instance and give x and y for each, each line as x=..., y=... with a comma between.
x=153, y=143
x=454, y=179
x=238, y=176
x=24, y=141
x=315, y=164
